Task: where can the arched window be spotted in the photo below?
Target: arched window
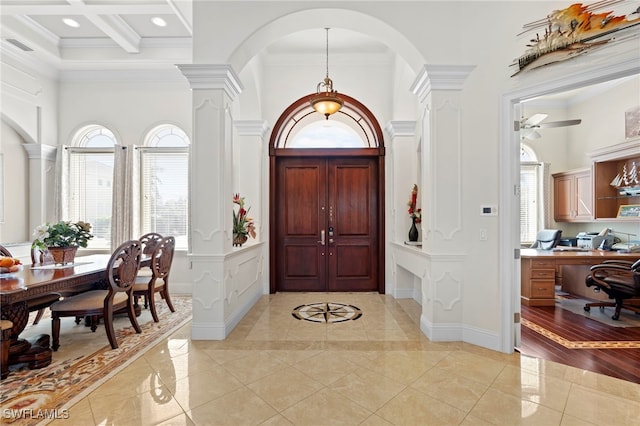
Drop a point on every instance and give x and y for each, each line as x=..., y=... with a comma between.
x=530, y=194
x=327, y=134
x=90, y=181
x=164, y=183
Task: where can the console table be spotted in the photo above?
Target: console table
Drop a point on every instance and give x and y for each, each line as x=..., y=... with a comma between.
x=541, y=271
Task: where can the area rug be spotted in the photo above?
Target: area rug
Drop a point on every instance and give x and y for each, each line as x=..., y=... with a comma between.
x=31, y=397
x=627, y=318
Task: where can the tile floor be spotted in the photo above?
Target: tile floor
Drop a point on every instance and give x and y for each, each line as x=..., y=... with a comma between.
x=275, y=369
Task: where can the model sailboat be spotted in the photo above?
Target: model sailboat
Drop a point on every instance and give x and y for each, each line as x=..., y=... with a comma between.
x=628, y=182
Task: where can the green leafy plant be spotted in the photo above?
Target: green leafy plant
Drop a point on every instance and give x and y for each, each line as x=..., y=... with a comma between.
x=62, y=234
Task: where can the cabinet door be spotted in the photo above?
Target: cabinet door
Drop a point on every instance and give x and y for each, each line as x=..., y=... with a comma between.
x=573, y=196
x=584, y=196
x=562, y=205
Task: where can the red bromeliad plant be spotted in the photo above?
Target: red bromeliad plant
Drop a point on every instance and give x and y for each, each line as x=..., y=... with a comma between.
x=414, y=214
x=242, y=223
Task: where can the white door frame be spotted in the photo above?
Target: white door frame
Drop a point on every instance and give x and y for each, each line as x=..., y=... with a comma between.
x=509, y=221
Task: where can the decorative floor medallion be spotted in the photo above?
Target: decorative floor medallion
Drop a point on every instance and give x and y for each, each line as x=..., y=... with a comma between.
x=327, y=312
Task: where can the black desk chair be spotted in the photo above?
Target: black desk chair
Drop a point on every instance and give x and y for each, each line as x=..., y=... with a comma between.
x=547, y=239
x=620, y=280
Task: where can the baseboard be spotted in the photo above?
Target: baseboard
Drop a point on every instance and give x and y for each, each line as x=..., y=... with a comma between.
x=455, y=332
x=241, y=310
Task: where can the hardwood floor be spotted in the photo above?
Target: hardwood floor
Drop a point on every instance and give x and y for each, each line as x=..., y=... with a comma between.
x=577, y=341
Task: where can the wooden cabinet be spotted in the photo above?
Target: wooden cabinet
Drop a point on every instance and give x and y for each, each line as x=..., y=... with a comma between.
x=573, y=196
x=537, y=282
x=608, y=199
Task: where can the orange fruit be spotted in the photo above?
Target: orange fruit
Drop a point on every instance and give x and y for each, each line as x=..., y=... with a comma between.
x=5, y=262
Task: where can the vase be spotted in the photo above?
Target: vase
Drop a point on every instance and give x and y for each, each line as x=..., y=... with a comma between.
x=413, y=231
x=63, y=255
x=239, y=239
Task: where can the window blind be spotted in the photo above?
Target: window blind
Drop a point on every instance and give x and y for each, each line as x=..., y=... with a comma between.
x=529, y=202
x=91, y=192
x=164, y=175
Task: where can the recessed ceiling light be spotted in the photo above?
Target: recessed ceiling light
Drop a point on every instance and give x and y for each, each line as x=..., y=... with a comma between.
x=158, y=21
x=71, y=22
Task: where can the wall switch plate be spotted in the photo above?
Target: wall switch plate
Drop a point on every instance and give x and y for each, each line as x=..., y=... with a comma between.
x=489, y=210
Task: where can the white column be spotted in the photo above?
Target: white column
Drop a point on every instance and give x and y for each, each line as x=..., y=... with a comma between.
x=214, y=88
x=42, y=181
x=438, y=88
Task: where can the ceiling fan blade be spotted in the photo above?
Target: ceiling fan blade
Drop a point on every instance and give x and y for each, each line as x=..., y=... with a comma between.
x=562, y=123
x=533, y=120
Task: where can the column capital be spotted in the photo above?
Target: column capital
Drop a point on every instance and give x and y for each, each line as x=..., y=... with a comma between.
x=212, y=76
x=251, y=127
x=37, y=151
x=440, y=77
x=401, y=128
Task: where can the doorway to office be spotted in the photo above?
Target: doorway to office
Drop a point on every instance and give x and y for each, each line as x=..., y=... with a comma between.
x=327, y=200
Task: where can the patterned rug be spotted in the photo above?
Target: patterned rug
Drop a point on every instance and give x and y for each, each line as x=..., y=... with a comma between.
x=30, y=397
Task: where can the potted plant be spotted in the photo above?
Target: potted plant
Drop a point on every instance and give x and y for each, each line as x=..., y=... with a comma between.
x=243, y=225
x=62, y=239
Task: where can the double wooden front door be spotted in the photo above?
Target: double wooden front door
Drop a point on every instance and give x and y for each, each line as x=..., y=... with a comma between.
x=327, y=224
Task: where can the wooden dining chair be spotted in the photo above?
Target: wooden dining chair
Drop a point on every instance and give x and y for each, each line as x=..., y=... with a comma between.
x=149, y=243
x=158, y=282
x=121, y=272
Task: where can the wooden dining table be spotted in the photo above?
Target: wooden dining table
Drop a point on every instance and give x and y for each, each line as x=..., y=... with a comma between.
x=23, y=291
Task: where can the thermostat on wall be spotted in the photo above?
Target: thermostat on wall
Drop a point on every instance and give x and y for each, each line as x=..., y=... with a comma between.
x=488, y=210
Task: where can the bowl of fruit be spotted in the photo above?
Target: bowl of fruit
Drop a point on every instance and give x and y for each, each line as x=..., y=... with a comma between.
x=9, y=265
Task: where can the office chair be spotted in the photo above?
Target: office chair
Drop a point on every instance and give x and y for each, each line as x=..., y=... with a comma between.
x=620, y=280
x=547, y=239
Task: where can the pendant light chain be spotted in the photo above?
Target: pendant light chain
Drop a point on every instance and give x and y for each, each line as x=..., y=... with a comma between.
x=327, y=50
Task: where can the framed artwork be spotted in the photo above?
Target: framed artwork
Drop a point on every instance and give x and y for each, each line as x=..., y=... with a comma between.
x=632, y=123
x=629, y=210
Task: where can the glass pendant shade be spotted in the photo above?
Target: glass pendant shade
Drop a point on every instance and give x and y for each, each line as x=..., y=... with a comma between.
x=326, y=100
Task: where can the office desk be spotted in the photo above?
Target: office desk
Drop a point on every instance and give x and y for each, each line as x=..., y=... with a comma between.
x=21, y=291
x=541, y=271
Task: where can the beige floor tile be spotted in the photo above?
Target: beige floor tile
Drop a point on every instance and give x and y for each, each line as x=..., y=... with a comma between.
x=151, y=407
x=405, y=366
x=181, y=420
x=195, y=390
x=503, y=409
x=601, y=408
x=411, y=407
x=472, y=366
x=326, y=367
x=450, y=388
x=378, y=370
x=326, y=408
x=241, y=407
x=548, y=391
x=367, y=388
x=135, y=379
x=285, y=388
x=254, y=367
x=79, y=414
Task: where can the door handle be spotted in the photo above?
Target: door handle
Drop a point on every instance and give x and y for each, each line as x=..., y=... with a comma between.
x=321, y=238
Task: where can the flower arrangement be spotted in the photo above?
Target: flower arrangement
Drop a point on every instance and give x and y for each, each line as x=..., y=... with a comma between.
x=414, y=214
x=242, y=223
x=62, y=234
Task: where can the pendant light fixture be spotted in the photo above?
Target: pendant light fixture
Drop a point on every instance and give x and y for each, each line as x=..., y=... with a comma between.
x=326, y=100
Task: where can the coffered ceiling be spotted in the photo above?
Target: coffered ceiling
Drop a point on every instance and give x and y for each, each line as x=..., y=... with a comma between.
x=109, y=33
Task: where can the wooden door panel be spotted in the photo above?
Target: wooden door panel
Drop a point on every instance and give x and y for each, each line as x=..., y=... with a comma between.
x=353, y=219
x=300, y=219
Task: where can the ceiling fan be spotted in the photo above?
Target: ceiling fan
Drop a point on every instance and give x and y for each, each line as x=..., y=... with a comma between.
x=528, y=126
